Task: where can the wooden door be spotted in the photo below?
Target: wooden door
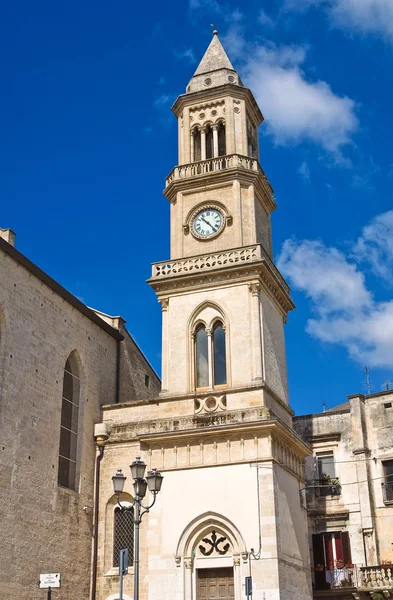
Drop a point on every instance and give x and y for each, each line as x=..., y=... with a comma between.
x=215, y=584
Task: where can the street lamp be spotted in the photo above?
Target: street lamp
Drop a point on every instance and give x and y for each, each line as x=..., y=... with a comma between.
x=153, y=481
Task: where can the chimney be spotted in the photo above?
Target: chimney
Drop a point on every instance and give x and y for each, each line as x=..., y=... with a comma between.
x=8, y=235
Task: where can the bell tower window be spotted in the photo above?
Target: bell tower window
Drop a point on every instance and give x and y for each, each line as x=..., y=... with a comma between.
x=210, y=356
x=209, y=142
x=197, y=144
x=222, y=149
x=219, y=355
x=201, y=357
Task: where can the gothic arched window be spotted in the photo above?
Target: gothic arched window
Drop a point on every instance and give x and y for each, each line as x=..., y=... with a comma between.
x=201, y=357
x=210, y=356
x=69, y=425
x=123, y=535
x=219, y=355
x=222, y=146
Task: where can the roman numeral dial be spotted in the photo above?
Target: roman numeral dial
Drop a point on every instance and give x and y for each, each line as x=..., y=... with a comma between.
x=207, y=223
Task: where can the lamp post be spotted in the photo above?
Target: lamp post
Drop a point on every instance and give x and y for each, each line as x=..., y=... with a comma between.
x=153, y=481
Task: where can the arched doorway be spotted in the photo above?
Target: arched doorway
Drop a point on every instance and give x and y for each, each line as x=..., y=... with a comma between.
x=213, y=555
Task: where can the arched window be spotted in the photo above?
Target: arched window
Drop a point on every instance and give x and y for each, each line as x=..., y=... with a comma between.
x=219, y=355
x=222, y=147
x=69, y=425
x=197, y=144
x=210, y=356
x=209, y=142
x=202, y=357
x=123, y=535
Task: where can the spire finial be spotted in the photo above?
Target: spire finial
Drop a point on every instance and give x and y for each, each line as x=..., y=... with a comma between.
x=215, y=32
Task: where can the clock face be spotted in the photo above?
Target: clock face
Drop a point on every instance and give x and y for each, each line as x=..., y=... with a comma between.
x=207, y=223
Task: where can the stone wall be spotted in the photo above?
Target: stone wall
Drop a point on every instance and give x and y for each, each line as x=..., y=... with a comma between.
x=46, y=528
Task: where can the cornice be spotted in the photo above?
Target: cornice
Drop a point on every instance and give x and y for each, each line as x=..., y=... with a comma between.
x=215, y=93
x=204, y=180
x=273, y=427
x=228, y=275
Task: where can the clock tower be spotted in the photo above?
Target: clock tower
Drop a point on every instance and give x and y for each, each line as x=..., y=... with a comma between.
x=220, y=431
x=221, y=273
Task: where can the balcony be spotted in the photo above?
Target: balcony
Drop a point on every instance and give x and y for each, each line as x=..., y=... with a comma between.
x=217, y=260
x=320, y=488
x=387, y=491
x=337, y=576
x=211, y=165
x=376, y=578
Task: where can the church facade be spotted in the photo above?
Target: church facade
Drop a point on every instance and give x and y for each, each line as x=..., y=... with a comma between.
x=60, y=361
x=220, y=431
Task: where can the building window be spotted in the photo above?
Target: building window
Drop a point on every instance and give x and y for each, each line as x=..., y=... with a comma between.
x=209, y=142
x=222, y=147
x=202, y=357
x=123, y=535
x=197, y=144
x=325, y=467
x=69, y=425
x=210, y=356
x=387, y=485
x=147, y=380
x=332, y=560
x=219, y=355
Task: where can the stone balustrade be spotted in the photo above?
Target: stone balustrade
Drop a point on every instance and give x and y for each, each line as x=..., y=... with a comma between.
x=373, y=578
x=216, y=260
x=220, y=163
x=207, y=262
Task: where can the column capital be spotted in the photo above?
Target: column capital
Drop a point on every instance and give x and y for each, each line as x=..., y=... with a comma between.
x=254, y=288
x=188, y=562
x=164, y=303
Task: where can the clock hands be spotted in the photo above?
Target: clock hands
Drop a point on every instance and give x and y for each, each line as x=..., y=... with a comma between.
x=208, y=223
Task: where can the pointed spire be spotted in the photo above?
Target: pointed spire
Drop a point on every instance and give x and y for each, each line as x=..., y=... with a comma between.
x=214, y=58
x=216, y=63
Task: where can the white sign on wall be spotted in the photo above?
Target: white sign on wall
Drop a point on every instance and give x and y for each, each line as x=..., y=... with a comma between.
x=50, y=580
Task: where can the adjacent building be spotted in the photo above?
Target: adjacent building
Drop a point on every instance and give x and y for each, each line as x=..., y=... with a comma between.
x=60, y=362
x=349, y=496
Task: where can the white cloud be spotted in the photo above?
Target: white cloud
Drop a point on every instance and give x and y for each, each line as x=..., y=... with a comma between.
x=296, y=108
x=304, y=171
x=187, y=55
x=162, y=101
x=205, y=5
x=375, y=246
x=325, y=275
x=366, y=16
x=264, y=18
x=345, y=311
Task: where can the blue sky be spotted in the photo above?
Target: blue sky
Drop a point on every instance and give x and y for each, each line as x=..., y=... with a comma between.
x=87, y=138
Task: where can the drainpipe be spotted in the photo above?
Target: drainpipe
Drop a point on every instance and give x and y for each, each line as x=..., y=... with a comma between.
x=101, y=435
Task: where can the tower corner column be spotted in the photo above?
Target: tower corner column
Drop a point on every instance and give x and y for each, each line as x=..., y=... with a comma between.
x=255, y=289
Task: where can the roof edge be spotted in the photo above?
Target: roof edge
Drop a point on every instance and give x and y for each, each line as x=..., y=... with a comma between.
x=58, y=289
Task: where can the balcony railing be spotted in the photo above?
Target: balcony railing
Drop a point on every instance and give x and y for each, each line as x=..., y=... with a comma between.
x=337, y=576
x=207, y=262
x=220, y=163
x=380, y=577
x=387, y=491
x=216, y=260
x=324, y=487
